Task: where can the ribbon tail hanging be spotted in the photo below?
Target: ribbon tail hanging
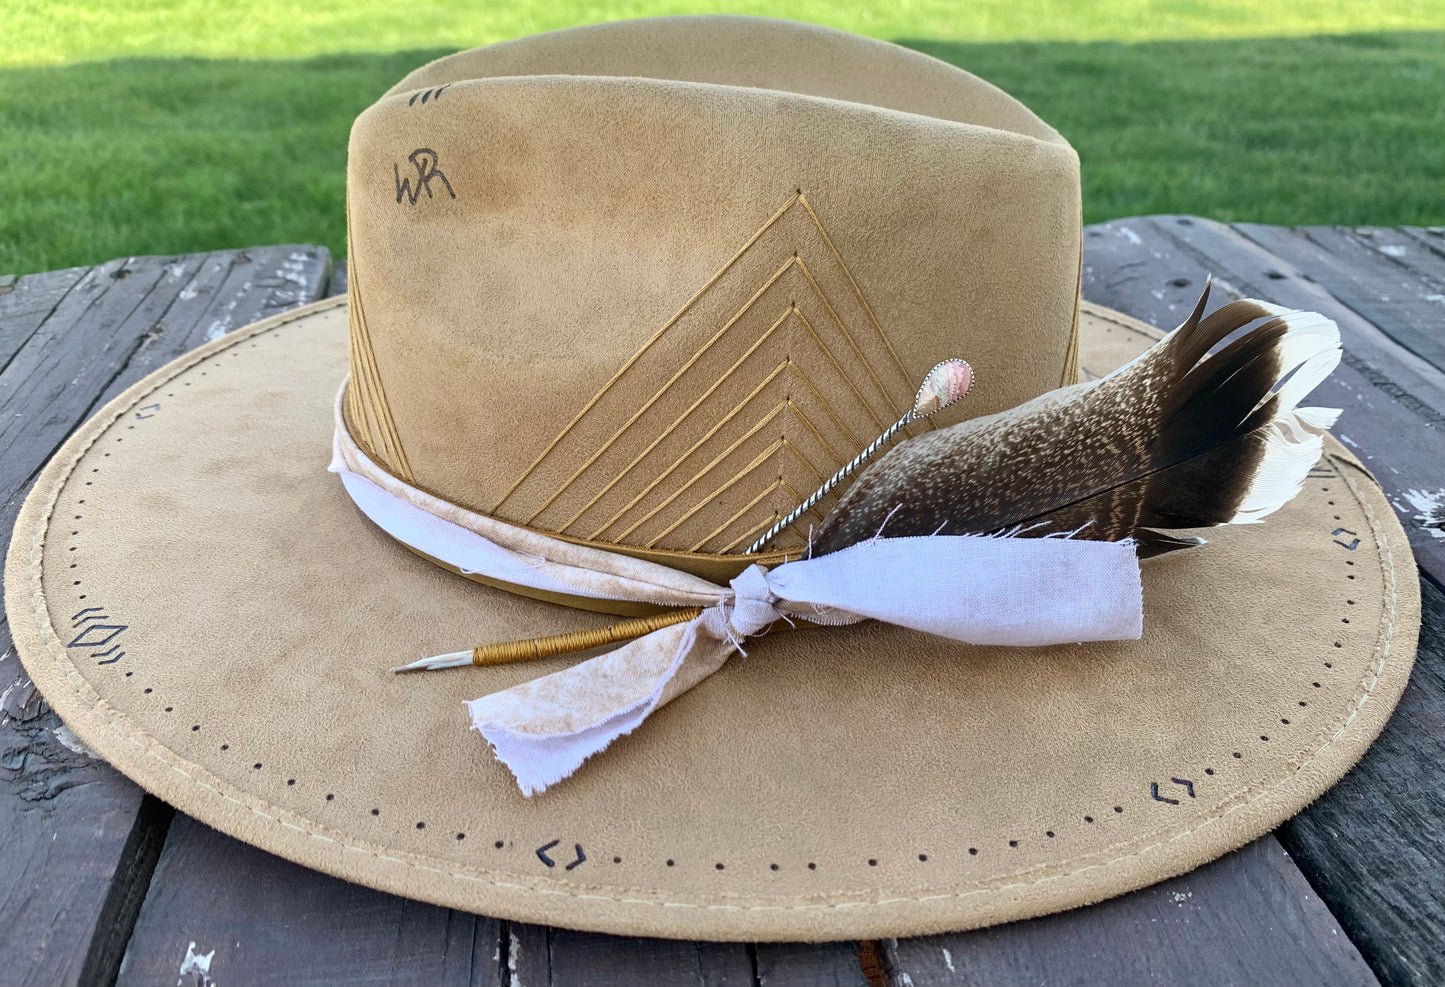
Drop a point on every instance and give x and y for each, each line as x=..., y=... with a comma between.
x=544, y=729
x=1008, y=591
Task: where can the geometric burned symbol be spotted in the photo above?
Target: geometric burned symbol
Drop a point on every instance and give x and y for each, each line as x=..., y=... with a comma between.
x=542, y=855
x=113, y=650
x=1345, y=531
x=152, y=408
x=1184, y=782
x=96, y=636
x=434, y=94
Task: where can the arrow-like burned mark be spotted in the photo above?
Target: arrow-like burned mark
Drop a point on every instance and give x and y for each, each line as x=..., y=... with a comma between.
x=1185, y=782
x=104, y=654
x=1345, y=531
x=542, y=855
x=75, y=618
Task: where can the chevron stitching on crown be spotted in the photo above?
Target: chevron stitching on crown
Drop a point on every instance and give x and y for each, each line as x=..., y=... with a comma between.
x=658, y=494
x=368, y=416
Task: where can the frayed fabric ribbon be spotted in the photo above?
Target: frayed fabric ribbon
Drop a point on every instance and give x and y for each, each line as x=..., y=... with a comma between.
x=976, y=589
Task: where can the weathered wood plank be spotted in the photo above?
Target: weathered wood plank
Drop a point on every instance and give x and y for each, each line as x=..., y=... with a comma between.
x=537, y=956
x=52, y=382
x=73, y=821
x=339, y=275
x=78, y=842
x=1248, y=918
x=828, y=964
x=1374, y=845
x=1394, y=298
x=27, y=301
x=1191, y=248
x=1431, y=260
x=133, y=314
x=1417, y=250
x=1153, y=267
x=76, y=839
x=222, y=291
x=227, y=912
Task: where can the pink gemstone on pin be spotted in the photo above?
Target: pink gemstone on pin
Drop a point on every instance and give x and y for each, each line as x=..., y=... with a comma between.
x=944, y=385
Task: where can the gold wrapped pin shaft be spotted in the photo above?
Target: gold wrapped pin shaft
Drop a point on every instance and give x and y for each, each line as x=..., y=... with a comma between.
x=531, y=649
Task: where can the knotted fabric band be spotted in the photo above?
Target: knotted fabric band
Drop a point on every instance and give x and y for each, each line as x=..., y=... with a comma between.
x=977, y=589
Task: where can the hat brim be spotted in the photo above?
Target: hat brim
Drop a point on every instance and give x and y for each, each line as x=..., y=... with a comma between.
x=196, y=597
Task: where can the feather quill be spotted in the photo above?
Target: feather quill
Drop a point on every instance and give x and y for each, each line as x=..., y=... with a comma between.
x=1178, y=438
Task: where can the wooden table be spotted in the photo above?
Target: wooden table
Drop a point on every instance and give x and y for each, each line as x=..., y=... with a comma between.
x=100, y=883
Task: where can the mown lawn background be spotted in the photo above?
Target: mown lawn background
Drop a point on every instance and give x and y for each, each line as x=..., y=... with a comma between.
x=165, y=126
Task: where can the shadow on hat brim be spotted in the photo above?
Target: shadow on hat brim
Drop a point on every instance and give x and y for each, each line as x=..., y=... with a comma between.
x=199, y=601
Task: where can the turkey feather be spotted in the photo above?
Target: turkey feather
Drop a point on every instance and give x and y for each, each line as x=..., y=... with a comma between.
x=1199, y=430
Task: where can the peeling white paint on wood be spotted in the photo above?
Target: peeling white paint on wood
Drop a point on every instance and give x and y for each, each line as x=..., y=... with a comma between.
x=514, y=954
x=198, y=967
x=1430, y=505
x=68, y=739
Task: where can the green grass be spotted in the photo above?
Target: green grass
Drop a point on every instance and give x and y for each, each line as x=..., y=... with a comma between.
x=161, y=127
x=39, y=32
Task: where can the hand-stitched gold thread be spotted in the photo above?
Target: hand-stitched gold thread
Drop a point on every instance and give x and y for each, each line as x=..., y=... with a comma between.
x=662, y=436
x=645, y=347
x=691, y=362
x=868, y=405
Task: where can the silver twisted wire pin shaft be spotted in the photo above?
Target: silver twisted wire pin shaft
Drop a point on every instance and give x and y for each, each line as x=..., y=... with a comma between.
x=944, y=385
x=833, y=481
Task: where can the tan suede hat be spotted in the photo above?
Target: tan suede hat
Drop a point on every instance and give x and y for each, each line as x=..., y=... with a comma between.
x=638, y=288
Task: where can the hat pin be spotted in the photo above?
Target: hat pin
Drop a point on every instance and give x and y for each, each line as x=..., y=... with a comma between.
x=945, y=385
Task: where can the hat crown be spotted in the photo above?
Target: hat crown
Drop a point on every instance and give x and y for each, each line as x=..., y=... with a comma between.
x=647, y=284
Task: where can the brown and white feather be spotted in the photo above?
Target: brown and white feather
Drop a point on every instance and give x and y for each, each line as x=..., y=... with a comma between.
x=1178, y=438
